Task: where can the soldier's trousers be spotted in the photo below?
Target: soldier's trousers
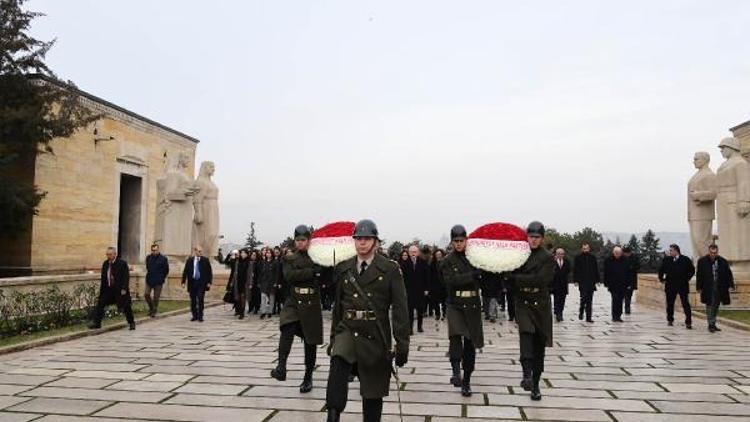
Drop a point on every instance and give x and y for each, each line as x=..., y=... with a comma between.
x=532, y=351
x=465, y=352
x=337, y=393
x=288, y=331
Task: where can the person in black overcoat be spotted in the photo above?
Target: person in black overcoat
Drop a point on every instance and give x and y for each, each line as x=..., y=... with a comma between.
x=586, y=277
x=616, y=278
x=675, y=273
x=114, y=289
x=713, y=279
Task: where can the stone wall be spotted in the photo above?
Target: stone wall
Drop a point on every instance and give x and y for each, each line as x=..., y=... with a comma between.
x=742, y=133
x=651, y=293
x=171, y=290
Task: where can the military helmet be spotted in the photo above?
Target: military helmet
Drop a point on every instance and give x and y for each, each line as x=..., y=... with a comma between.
x=458, y=232
x=535, y=228
x=366, y=228
x=302, y=231
x=730, y=142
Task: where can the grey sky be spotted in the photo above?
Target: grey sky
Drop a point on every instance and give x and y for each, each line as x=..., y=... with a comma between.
x=422, y=114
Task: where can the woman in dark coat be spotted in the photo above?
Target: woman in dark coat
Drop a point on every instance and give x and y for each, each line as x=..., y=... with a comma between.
x=241, y=282
x=269, y=276
x=253, y=298
x=436, y=286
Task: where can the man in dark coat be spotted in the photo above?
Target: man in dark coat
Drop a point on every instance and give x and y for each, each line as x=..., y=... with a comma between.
x=302, y=314
x=490, y=286
x=617, y=280
x=634, y=265
x=675, y=272
x=114, y=289
x=533, y=311
x=416, y=278
x=198, y=276
x=586, y=277
x=157, y=270
x=713, y=279
x=464, y=310
x=370, y=298
x=559, y=286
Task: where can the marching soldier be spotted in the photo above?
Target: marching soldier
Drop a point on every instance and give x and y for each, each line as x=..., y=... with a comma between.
x=367, y=287
x=302, y=314
x=533, y=310
x=464, y=310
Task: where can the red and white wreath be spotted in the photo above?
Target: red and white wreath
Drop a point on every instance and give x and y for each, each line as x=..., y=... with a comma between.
x=497, y=247
x=332, y=243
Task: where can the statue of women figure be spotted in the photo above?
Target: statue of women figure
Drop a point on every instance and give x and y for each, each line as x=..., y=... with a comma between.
x=175, y=209
x=733, y=203
x=206, y=204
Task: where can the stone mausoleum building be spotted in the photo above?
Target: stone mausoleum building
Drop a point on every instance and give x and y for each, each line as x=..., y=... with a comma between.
x=101, y=191
x=742, y=133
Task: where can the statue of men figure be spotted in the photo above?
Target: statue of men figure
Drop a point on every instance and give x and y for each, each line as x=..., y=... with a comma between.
x=733, y=204
x=206, y=204
x=702, y=189
x=175, y=209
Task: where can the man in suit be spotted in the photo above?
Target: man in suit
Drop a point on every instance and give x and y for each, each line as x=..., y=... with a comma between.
x=675, y=272
x=713, y=280
x=559, y=287
x=416, y=276
x=586, y=277
x=157, y=270
x=114, y=289
x=198, y=276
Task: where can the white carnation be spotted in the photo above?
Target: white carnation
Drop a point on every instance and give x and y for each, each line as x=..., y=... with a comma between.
x=322, y=249
x=497, y=256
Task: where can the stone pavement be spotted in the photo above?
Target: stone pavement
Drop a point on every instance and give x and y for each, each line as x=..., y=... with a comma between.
x=174, y=370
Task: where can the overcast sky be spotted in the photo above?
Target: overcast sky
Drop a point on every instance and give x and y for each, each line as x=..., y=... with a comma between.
x=423, y=114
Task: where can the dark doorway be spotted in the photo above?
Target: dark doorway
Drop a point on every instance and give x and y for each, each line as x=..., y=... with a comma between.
x=129, y=228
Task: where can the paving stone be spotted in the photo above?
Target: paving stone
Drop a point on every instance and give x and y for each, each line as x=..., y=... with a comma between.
x=725, y=409
x=247, y=402
x=108, y=374
x=88, y=393
x=162, y=386
x=8, y=401
x=10, y=389
x=74, y=382
x=699, y=388
x=168, y=378
x=184, y=413
x=61, y=406
x=670, y=396
x=217, y=389
x=493, y=412
x=25, y=379
x=664, y=417
x=567, y=415
x=17, y=417
x=570, y=403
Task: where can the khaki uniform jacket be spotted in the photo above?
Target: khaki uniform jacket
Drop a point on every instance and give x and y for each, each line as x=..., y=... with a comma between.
x=299, y=272
x=359, y=341
x=531, y=294
x=464, y=313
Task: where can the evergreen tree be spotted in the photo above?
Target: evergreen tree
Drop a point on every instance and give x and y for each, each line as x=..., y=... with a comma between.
x=35, y=108
x=394, y=250
x=651, y=254
x=590, y=236
x=252, y=241
x=287, y=243
x=634, y=245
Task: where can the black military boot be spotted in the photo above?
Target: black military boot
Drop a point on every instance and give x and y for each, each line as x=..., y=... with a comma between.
x=307, y=382
x=456, y=377
x=466, y=384
x=536, y=394
x=526, y=381
x=280, y=371
x=333, y=415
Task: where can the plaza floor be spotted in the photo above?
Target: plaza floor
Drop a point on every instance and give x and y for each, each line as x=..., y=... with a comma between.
x=175, y=370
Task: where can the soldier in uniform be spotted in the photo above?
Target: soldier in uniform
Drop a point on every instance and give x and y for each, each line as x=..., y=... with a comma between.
x=464, y=310
x=368, y=286
x=302, y=315
x=533, y=309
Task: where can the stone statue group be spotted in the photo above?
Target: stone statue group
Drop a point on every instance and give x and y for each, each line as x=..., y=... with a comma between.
x=724, y=196
x=187, y=211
